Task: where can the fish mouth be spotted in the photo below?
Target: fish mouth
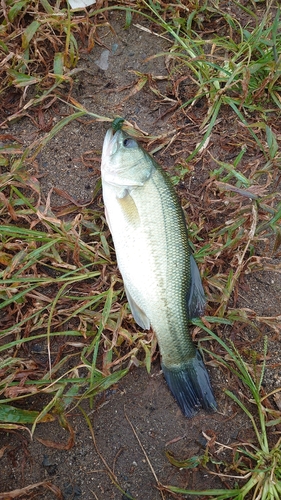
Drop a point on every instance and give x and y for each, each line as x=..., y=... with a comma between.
x=110, y=143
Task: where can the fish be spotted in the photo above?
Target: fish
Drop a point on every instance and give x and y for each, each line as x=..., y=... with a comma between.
x=161, y=278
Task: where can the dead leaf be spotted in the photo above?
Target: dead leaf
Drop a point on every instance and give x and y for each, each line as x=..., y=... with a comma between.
x=60, y=446
x=277, y=399
x=9, y=495
x=9, y=207
x=2, y=450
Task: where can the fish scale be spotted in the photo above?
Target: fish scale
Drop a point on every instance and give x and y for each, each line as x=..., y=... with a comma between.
x=161, y=279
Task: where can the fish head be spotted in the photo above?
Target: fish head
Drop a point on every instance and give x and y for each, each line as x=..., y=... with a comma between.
x=124, y=162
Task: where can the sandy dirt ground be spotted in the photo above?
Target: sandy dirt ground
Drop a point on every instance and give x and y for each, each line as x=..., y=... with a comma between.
x=137, y=421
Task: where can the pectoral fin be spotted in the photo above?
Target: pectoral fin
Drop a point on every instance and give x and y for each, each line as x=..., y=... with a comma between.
x=196, y=300
x=129, y=210
x=139, y=316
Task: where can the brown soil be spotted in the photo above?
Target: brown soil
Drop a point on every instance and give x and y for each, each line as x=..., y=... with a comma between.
x=137, y=421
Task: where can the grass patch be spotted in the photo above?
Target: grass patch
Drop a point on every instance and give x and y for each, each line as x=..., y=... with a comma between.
x=55, y=302
x=258, y=466
x=237, y=65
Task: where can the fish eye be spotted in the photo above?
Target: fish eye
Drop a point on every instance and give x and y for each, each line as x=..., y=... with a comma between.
x=129, y=143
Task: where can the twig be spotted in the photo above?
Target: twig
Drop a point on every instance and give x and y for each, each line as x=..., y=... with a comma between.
x=145, y=454
x=111, y=474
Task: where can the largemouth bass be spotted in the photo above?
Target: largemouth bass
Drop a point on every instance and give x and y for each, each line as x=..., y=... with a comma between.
x=161, y=279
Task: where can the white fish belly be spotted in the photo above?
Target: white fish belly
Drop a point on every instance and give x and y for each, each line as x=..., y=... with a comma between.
x=139, y=241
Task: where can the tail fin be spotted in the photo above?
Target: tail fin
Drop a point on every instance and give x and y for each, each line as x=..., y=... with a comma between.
x=190, y=386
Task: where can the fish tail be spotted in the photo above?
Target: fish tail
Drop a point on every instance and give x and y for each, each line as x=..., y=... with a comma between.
x=191, y=386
